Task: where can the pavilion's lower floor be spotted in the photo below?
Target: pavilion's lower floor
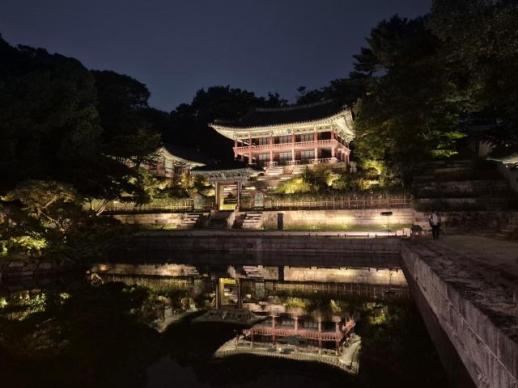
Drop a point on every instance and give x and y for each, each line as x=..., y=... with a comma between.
x=295, y=157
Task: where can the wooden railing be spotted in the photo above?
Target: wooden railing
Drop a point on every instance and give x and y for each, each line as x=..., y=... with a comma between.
x=286, y=202
x=292, y=332
x=372, y=201
x=288, y=145
x=163, y=206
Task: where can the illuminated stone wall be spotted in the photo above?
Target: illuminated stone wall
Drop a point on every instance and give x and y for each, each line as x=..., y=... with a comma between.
x=307, y=219
x=172, y=219
x=159, y=220
x=393, y=277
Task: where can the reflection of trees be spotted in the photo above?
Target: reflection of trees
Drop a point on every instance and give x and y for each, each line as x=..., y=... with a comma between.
x=99, y=334
x=92, y=336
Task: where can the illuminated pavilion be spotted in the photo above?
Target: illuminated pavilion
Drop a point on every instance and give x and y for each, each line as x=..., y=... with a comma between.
x=296, y=135
x=272, y=145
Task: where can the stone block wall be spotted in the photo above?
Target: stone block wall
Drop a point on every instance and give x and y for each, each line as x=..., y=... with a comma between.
x=488, y=353
x=158, y=220
x=393, y=277
x=239, y=242
x=170, y=219
x=337, y=218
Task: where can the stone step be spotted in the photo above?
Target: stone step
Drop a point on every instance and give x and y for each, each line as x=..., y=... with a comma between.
x=189, y=221
x=253, y=220
x=463, y=185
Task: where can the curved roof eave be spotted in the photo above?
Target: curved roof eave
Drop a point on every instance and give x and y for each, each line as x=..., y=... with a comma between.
x=169, y=155
x=230, y=131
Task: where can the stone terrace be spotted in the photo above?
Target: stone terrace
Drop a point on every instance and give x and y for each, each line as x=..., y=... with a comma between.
x=471, y=284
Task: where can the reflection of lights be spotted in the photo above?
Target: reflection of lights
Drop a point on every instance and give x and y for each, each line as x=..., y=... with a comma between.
x=103, y=268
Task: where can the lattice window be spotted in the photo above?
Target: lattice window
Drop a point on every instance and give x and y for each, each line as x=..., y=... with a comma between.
x=306, y=137
x=285, y=156
x=307, y=154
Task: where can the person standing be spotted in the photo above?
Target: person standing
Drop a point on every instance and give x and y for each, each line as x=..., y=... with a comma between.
x=435, y=223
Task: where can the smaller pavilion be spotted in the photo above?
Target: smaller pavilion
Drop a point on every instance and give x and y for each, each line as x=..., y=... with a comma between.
x=172, y=161
x=228, y=180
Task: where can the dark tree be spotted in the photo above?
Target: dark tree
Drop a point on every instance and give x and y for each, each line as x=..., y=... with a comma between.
x=49, y=126
x=410, y=110
x=189, y=122
x=480, y=54
x=127, y=119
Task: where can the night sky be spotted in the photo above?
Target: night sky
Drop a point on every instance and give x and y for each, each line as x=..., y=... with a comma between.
x=178, y=47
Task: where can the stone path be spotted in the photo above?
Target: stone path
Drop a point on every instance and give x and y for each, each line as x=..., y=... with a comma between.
x=499, y=255
x=471, y=284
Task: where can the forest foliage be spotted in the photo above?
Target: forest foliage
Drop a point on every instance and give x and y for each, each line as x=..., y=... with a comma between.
x=420, y=89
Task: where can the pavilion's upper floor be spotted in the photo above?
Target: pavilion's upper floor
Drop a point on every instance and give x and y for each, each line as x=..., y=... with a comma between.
x=290, y=124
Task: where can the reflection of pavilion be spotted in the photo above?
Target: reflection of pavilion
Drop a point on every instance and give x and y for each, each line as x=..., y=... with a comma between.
x=245, y=285
x=297, y=339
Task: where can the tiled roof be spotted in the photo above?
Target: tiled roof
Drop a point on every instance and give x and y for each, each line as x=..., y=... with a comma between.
x=291, y=114
x=225, y=166
x=188, y=154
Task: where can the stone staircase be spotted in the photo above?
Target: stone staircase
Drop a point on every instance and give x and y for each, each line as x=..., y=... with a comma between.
x=276, y=174
x=462, y=185
x=189, y=221
x=252, y=272
x=253, y=221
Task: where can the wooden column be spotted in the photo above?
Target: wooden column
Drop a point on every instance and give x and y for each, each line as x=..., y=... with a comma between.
x=239, y=297
x=273, y=329
x=235, y=146
x=217, y=195
x=333, y=147
x=271, y=149
x=315, y=139
x=239, y=187
x=218, y=295
x=319, y=335
x=337, y=330
x=249, y=148
x=293, y=147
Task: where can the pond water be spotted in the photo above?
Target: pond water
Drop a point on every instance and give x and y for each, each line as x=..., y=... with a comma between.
x=217, y=322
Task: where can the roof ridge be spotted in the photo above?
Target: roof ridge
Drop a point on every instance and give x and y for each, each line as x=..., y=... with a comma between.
x=294, y=107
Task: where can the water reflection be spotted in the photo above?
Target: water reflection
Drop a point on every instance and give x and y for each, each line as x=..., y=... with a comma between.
x=211, y=323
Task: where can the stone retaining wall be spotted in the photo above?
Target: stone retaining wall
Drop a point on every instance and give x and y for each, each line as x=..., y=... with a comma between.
x=487, y=351
x=337, y=218
x=33, y=267
x=159, y=219
x=394, y=277
x=246, y=243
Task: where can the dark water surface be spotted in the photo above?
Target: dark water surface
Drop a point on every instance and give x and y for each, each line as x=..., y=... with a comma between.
x=145, y=325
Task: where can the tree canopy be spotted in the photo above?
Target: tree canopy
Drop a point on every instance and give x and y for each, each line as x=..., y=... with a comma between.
x=423, y=88
x=420, y=89
x=190, y=122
